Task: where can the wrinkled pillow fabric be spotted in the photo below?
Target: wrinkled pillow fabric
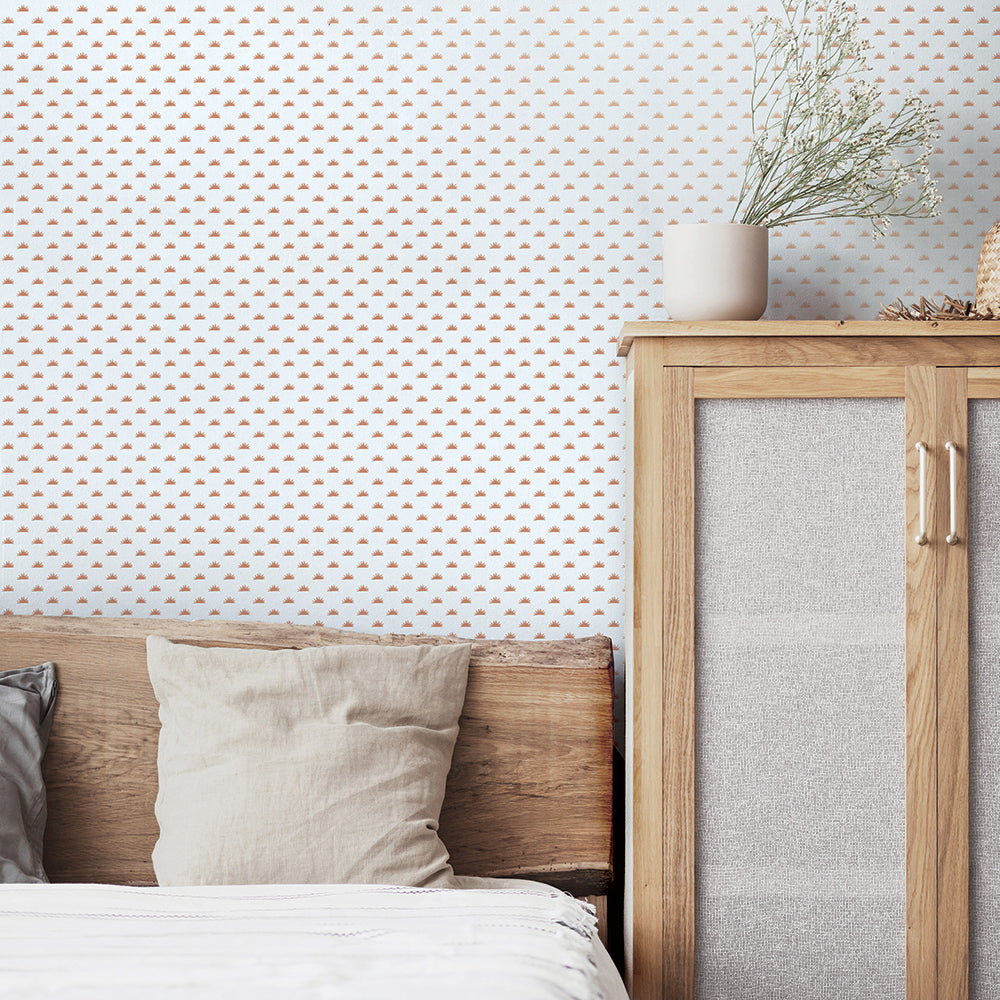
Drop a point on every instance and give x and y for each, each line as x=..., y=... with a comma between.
x=27, y=698
x=318, y=765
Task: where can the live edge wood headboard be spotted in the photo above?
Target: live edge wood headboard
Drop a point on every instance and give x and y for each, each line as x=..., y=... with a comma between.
x=529, y=793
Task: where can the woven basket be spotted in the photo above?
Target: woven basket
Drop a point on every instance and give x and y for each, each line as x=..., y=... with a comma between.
x=988, y=276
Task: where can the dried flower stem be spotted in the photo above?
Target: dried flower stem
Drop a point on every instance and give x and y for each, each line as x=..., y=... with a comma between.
x=816, y=153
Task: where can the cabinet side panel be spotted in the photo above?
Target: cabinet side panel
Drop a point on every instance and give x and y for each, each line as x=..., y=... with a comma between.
x=644, y=680
x=800, y=702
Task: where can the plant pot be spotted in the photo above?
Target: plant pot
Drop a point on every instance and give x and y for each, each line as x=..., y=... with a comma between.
x=715, y=271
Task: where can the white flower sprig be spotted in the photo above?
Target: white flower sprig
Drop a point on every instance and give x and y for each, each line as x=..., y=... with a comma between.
x=821, y=146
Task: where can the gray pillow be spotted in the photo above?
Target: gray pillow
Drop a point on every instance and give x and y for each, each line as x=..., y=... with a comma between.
x=27, y=697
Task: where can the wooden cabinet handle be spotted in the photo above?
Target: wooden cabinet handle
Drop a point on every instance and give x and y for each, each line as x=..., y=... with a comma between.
x=921, y=538
x=952, y=537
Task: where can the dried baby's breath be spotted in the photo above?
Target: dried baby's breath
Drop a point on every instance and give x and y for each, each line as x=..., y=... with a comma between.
x=823, y=145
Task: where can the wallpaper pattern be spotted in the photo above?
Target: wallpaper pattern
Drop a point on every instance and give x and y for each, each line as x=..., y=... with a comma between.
x=308, y=311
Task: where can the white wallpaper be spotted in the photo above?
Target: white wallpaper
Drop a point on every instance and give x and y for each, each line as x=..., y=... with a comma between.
x=308, y=311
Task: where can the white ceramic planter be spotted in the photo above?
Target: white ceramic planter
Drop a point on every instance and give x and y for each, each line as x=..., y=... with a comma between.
x=715, y=271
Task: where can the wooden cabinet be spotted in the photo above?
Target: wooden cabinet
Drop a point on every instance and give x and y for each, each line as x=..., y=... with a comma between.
x=798, y=659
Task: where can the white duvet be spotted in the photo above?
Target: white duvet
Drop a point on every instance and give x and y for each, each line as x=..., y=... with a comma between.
x=246, y=942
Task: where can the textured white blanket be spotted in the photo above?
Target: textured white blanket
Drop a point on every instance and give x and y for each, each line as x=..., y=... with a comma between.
x=370, y=942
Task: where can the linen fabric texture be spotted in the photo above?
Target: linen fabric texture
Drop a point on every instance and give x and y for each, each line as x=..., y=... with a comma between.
x=984, y=699
x=800, y=713
x=531, y=942
x=27, y=698
x=319, y=765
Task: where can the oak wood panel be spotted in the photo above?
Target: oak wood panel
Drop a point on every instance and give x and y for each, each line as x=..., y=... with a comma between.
x=921, y=693
x=984, y=383
x=529, y=789
x=796, y=350
x=529, y=793
x=791, y=383
x=644, y=959
x=953, y=693
x=812, y=328
x=574, y=654
x=678, y=666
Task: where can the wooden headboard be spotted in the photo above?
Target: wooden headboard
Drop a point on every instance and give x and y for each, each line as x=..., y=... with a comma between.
x=529, y=793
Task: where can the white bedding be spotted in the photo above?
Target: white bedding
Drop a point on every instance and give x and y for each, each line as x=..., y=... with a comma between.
x=365, y=942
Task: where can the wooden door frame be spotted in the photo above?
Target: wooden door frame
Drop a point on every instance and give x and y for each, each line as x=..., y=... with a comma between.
x=954, y=387
x=921, y=403
x=918, y=387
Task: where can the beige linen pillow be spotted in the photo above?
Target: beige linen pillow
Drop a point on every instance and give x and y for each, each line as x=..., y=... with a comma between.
x=319, y=765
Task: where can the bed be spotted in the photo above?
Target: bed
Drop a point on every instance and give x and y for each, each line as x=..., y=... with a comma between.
x=516, y=907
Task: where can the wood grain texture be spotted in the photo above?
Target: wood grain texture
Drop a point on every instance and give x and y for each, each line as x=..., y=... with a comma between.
x=529, y=793
x=984, y=383
x=812, y=328
x=678, y=667
x=797, y=350
x=644, y=683
x=798, y=383
x=600, y=905
x=953, y=692
x=921, y=693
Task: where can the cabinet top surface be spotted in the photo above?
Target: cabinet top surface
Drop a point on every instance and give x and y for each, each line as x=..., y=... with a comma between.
x=806, y=328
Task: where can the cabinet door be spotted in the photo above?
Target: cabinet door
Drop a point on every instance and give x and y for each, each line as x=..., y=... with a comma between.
x=783, y=683
x=983, y=455
x=800, y=698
